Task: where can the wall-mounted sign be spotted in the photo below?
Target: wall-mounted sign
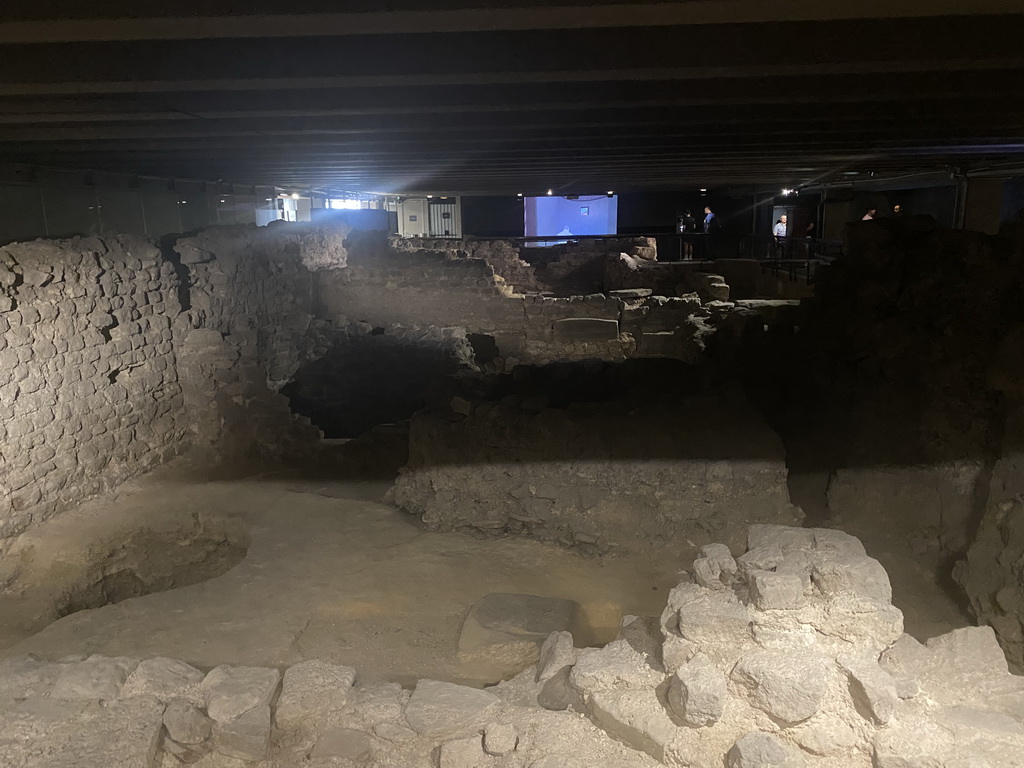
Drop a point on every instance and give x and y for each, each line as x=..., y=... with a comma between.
x=412, y=217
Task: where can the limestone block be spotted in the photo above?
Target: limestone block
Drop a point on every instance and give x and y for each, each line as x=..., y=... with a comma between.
x=557, y=653
x=776, y=591
x=232, y=691
x=872, y=688
x=558, y=693
x=342, y=743
x=762, y=750
x=185, y=723
x=438, y=709
x=520, y=623
x=635, y=717
x=166, y=679
x=615, y=667
x=246, y=736
x=787, y=686
x=763, y=558
x=638, y=633
x=857, y=575
x=98, y=677
x=698, y=692
x=500, y=739
x=312, y=688
x=463, y=753
x=380, y=702
x=708, y=618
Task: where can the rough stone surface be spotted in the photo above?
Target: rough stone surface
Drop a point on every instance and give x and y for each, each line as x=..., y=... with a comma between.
x=635, y=717
x=557, y=653
x=872, y=687
x=776, y=591
x=565, y=478
x=166, y=679
x=312, y=688
x=500, y=739
x=787, y=686
x=342, y=743
x=98, y=677
x=186, y=724
x=762, y=750
x=232, y=691
x=818, y=685
x=698, y=692
x=462, y=753
x=246, y=736
x=515, y=625
x=439, y=709
x=47, y=733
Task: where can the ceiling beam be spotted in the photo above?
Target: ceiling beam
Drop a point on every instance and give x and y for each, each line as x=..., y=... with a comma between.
x=407, y=22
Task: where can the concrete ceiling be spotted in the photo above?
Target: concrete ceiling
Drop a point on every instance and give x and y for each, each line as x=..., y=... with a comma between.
x=474, y=96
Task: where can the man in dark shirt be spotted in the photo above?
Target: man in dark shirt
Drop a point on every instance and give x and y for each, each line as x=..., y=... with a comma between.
x=688, y=228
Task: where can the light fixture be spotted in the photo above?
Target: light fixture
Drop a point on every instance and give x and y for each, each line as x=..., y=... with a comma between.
x=295, y=195
x=786, y=191
x=611, y=193
x=551, y=191
x=223, y=201
x=703, y=189
x=430, y=197
x=520, y=194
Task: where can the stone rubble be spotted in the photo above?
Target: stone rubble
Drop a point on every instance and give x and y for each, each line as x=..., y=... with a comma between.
x=829, y=680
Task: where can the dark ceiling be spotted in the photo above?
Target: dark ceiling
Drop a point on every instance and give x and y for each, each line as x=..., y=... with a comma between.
x=476, y=97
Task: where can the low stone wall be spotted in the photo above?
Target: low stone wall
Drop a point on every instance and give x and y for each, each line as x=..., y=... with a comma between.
x=89, y=388
x=992, y=573
x=609, y=476
x=789, y=654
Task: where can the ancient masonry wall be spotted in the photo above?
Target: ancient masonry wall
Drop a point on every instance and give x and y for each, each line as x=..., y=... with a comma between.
x=115, y=356
x=89, y=389
x=384, y=287
x=603, y=477
x=246, y=331
x=789, y=654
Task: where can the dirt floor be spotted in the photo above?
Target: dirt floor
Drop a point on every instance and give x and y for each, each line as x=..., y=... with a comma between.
x=329, y=572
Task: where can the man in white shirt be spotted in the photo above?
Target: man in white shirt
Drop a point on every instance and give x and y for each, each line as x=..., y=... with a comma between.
x=779, y=231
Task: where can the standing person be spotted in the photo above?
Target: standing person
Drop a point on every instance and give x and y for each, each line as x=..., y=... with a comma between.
x=870, y=215
x=779, y=231
x=711, y=228
x=688, y=227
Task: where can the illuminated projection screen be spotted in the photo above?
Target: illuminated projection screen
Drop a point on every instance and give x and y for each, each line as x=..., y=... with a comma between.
x=551, y=216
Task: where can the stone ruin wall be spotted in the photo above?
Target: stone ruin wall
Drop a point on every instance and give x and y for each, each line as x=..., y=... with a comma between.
x=89, y=387
x=116, y=356
x=602, y=477
x=784, y=651
x=155, y=378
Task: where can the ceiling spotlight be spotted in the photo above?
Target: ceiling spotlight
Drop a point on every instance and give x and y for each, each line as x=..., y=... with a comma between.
x=786, y=191
x=519, y=194
x=430, y=197
x=610, y=193
x=223, y=201
x=703, y=189
x=551, y=191
x=295, y=195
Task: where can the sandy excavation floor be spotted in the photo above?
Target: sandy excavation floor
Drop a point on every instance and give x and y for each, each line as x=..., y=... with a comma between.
x=333, y=573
